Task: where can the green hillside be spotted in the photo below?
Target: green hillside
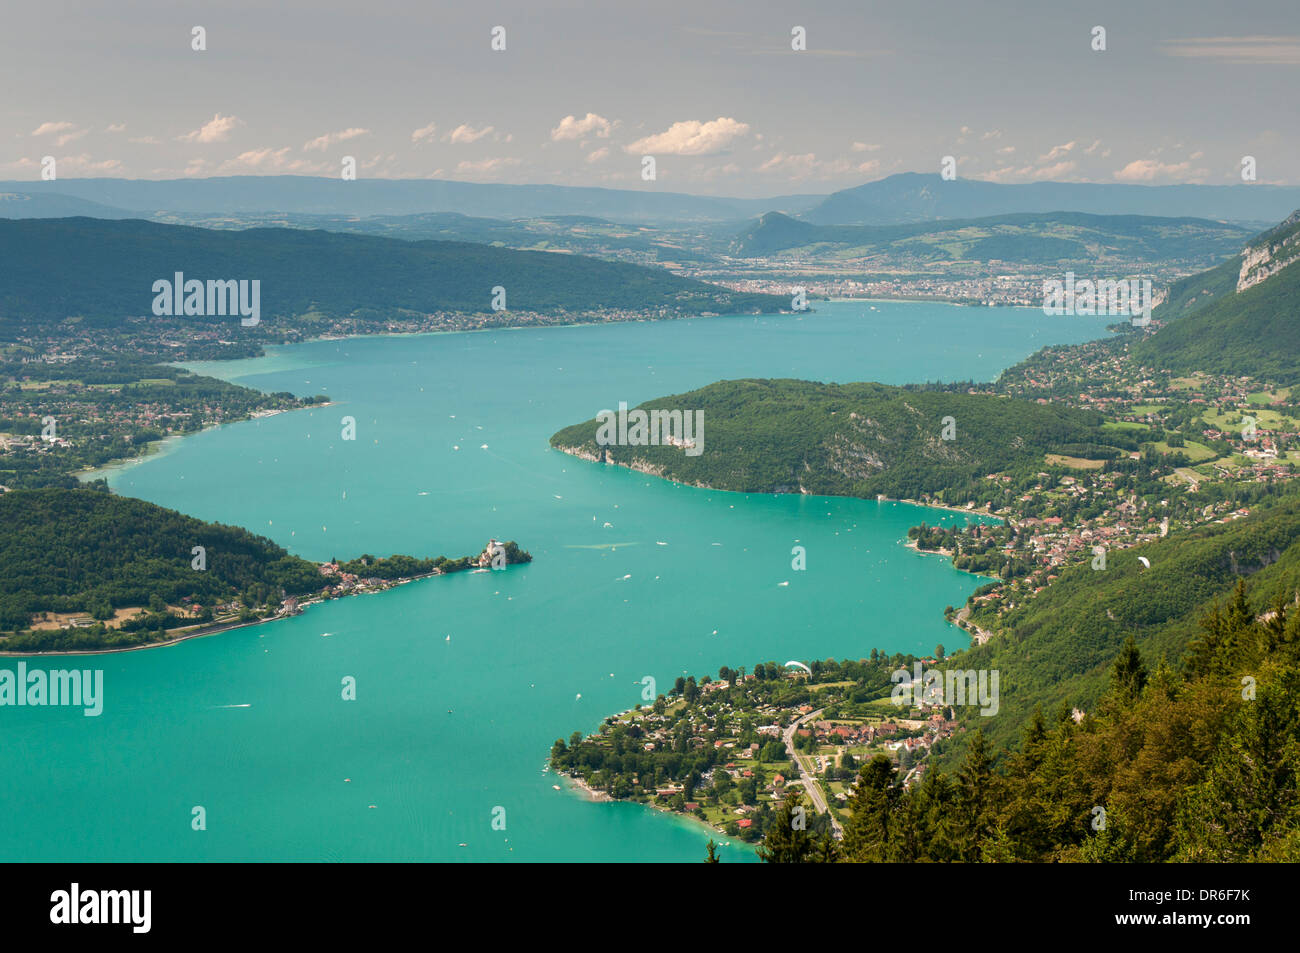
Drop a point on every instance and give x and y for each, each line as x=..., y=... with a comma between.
x=105, y=270
x=790, y=436
x=1200, y=290
x=90, y=553
x=1193, y=764
x=1056, y=649
x=1256, y=333
x=73, y=550
x=1203, y=289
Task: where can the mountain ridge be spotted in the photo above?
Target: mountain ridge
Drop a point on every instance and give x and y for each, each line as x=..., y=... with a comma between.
x=104, y=271
x=915, y=196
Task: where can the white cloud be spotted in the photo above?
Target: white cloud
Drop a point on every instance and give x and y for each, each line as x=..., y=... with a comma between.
x=1056, y=171
x=692, y=138
x=321, y=143
x=597, y=154
x=717, y=172
x=115, y=127
x=215, y=129
x=379, y=162
x=1149, y=170
x=425, y=133
x=1058, y=152
x=146, y=140
x=866, y=147
x=48, y=128
x=571, y=127
x=66, y=132
x=1274, y=50
x=465, y=134
x=84, y=165
x=271, y=160
x=486, y=167
x=808, y=166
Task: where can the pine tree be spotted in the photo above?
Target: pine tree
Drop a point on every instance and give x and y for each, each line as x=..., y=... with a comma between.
x=785, y=842
x=1251, y=797
x=866, y=838
x=974, y=780
x=1129, y=674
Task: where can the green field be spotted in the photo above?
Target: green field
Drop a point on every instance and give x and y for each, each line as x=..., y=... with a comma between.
x=1124, y=425
x=1075, y=463
x=1267, y=396
x=1196, y=452
x=1268, y=419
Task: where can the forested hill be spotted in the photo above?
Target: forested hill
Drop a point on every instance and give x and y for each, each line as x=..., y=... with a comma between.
x=88, y=553
x=105, y=270
x=791, y=436
x=1200, y=290
x=1255, y=332
x=1057, y=648
x=70, y=550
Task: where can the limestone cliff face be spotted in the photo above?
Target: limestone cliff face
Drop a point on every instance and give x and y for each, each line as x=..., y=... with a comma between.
x=1270, y=254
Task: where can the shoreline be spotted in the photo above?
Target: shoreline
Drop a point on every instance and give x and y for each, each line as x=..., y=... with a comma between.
x=160, y=448
x=583, y=454
x=268, y=349
x=212, y=630
x=217, y=628
x=576, y=785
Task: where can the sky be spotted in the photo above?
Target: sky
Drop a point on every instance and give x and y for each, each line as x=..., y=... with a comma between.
x=1014, y=91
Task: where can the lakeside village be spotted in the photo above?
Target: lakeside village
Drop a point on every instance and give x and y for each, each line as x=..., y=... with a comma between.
x=187, y=618
x=1186, y=451
x=727, y=751
x=165, y=339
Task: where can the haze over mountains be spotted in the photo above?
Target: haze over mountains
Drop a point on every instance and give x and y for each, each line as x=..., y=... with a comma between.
x=1032, y=237
x=906, y=197
x=322, y=196
x=918, y=197
x=29, y=204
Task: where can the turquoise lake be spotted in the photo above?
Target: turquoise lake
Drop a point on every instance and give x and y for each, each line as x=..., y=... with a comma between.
x=632, y=576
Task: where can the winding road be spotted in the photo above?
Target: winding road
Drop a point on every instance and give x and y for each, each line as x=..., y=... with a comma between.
x=806, y=775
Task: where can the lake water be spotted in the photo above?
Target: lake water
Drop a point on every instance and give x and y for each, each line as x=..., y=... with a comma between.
x=632, y=576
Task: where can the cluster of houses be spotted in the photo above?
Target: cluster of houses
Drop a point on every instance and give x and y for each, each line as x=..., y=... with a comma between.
x=346, y=581
x=30, y=442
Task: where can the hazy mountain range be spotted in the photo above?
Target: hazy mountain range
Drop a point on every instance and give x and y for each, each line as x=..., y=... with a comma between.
x=321, y=196
x=906, y=197
x=1026, y=237
x=915, y=197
